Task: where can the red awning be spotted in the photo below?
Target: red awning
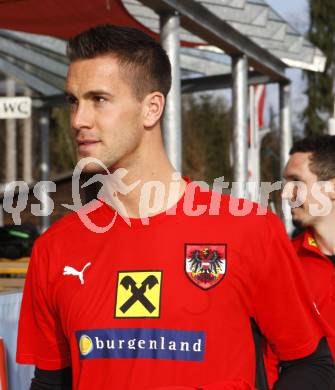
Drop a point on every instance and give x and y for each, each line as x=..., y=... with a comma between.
x=65, y=18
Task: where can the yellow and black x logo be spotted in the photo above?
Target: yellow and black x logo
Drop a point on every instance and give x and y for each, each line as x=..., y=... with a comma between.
x=138, y=294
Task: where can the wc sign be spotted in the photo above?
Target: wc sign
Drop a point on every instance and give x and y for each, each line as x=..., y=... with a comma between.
x=15, y=107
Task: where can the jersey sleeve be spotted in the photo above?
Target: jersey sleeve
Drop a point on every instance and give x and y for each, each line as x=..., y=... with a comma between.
x=41, y=340
x=284, y=309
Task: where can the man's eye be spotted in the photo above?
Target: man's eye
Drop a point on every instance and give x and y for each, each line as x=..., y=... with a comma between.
x=99, y=99
x=71, y=100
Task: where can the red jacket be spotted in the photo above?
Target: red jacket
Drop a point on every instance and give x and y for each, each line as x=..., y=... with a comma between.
x=320, y=274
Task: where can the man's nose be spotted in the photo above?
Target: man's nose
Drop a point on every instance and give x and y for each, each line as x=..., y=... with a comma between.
x=81, y=117
x=289, y=191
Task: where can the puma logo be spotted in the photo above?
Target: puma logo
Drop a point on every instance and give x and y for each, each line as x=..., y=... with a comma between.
x=72, y=271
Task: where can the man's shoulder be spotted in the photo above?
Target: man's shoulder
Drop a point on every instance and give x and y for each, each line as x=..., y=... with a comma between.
x=71, y=224
x=221, y=203
x=238, y=213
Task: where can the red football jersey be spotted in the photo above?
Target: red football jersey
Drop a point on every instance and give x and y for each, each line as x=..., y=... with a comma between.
x=320, y=274
x=319, y=271
x=167, y=304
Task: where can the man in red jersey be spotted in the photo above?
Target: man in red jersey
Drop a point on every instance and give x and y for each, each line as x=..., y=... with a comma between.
x=310, y=174
x=312, y=162
x=169, y=303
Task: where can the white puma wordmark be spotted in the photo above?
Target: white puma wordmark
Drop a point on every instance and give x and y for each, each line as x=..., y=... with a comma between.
x=72, y=271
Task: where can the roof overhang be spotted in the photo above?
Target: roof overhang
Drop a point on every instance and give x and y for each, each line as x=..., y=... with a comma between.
x=201, y=22
x=212, y=32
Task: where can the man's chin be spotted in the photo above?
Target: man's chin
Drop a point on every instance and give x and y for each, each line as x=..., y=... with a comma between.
x=91, y=165
x=300, y=221
x=298, y=224
x=93, y=168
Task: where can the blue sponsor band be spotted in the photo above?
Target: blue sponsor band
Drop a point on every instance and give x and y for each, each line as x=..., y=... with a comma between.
x=141, y=343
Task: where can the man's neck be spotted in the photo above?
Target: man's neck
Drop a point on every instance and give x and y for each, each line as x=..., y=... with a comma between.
x=153, y=195
x=324, y=234
x=159, y=186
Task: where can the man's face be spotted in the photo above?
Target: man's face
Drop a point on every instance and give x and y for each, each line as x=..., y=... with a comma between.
x=298, y=169
x=105, y=114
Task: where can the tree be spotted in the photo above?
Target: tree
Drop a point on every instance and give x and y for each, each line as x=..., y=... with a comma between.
x=62, y=146
x=270, y=164
x=320, y=85
x=207, y=129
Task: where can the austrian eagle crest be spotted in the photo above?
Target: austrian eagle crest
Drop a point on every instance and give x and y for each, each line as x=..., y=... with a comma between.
x=205, y=264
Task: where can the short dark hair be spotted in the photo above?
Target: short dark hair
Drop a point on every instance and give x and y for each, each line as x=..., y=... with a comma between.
x=142, y=60
x=322, y=159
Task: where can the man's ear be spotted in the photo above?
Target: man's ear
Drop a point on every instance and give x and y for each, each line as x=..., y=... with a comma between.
x=332, y=192
x=153, y=109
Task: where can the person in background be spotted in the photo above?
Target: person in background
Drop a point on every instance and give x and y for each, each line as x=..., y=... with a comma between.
x=310, y=189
